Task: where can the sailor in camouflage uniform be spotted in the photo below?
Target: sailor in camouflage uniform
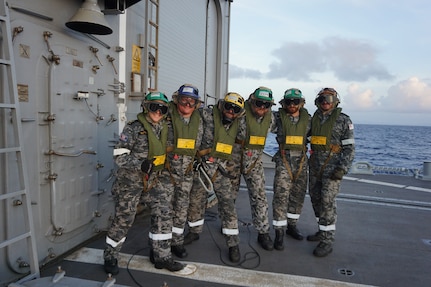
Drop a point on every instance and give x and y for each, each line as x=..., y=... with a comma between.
x=332, y=153
x=188, y=129
x=247, y=156
x=221, y=129
x=140, y=156
x=291, y=165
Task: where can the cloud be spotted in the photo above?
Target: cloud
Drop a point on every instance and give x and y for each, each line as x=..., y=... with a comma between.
x=347, y=59
x=353, y=60
x=297, y=61
x=359, y=99
x=409, y=95
x=236, y=72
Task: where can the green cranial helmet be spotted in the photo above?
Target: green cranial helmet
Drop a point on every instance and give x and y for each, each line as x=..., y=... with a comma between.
x=263, y=94
x=293, y=94
x=156, y=96
x=292, y=97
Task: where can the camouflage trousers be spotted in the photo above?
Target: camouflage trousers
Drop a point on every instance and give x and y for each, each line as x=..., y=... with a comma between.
x=161, y=195
x=255, y=181
x=197, y=206
x=323, y=192
x=289, y=194
x=226, y=204
x=126, y=191
x=181, y=203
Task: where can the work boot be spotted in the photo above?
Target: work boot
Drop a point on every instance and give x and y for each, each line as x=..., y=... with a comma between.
x=315, y=236
x=294, y=232
x=111, y=266
x=234, y=255
x=322, y=249
x=169, y=264
x=179, y=251
x=190, y=237
x=265, y=241
x=278, y=243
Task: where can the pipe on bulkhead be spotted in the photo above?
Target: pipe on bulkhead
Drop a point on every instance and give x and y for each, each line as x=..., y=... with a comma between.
x=58, y=229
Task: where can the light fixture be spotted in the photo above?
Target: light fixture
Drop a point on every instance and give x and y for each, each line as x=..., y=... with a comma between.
x=89, y=19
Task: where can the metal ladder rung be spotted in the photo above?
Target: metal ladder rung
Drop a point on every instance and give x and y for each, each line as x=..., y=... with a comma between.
x=10, y=149
x=153, y=24
x=3, y=18
x=15, y=239
x=155, y=2
x=12, y=194
x=4, y=62
x=7, y=106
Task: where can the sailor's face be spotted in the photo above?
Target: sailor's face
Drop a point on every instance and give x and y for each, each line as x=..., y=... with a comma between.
x=157, y=111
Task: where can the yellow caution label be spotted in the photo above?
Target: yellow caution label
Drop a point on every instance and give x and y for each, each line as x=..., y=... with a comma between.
x=224, y=148
x=159, y=159
x=318, y=140
x=294, y=140
x=255, y=140
x=186, y=143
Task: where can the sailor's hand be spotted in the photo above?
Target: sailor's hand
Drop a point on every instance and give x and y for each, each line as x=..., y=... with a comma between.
x=147, y=166
x=337, y=174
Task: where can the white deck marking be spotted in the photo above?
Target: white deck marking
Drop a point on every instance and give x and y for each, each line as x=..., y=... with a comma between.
x=210, y=272
x=388, y=184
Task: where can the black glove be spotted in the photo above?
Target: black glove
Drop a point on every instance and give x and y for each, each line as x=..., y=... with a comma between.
x=147, y=166
x=337, y=174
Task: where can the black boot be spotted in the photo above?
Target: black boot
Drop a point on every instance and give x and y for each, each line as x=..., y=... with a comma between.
x=322, y=249
x=179, y=251
x=278, y=243
x=111, y=266
x=265, y=241
x=294, y=232
x=234, y=255
x=314, y=237
x=169, y=264
x=190, y=237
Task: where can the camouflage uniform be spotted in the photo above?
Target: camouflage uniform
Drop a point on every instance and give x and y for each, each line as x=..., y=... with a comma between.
x=128, y=186
x=323, y=189
x=218, y=169
x=248, y=163
x=290, y=180
x=183, y=174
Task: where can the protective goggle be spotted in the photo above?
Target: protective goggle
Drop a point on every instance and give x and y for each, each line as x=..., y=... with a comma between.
x=229, y=106
x=295, y=102
x=262, y=104
x=326, y=98
x=187, y=101
x=154, y=107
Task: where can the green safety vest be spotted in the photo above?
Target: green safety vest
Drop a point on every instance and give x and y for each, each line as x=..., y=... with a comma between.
x=156, y=147
x=256, y=132
x=321, y=133
x=294, y=133
x=223, y=139
x=185, y=135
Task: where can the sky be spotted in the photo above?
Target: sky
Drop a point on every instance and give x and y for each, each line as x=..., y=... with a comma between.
x=375, y=53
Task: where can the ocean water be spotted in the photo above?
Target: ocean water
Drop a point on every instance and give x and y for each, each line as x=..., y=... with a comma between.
x=386, y=145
